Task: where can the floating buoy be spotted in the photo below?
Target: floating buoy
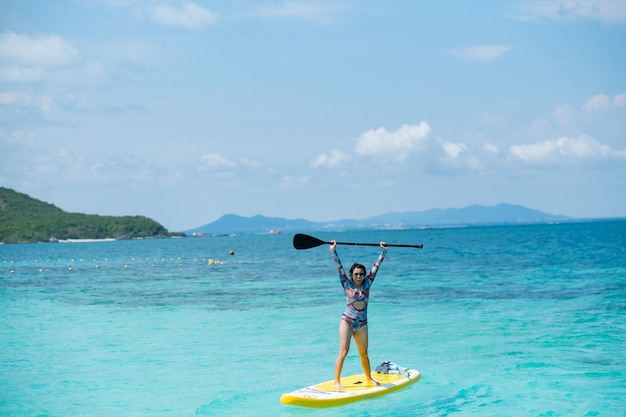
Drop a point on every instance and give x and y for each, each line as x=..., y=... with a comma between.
x=232, y=252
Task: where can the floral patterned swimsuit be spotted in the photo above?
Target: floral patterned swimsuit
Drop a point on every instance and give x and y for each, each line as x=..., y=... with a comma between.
x=356, y=310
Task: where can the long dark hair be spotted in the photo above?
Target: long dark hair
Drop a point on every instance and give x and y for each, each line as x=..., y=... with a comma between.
x=359, y=266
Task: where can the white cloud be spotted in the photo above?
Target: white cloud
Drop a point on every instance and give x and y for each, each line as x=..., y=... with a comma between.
x=482, y=52
x=335, y=158
x=598, y=102
x=214, y=162
x=604, y=102
x=320, y=12
x=563, y=150
x=396, y=144
x=30, y=58
x=491, y=148
x=453, y=150
x=36, y=51
x=620, y=154
x=570, y=121
x=20, y=99
x=188, y=16
x=619, y=100
x=453, y=158
x=608, y=11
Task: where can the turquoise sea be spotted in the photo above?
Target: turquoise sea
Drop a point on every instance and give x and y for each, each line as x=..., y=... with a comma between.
x=501, y=321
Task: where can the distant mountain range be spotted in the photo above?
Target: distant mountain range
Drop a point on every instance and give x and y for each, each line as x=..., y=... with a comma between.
x=25, y=219
x=471, y=215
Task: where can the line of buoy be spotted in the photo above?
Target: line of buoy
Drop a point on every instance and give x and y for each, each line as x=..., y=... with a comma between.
x=135, y=260
x=98, y=263
x=16, y=266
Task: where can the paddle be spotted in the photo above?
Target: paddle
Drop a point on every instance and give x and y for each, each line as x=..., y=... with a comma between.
x=301, y=241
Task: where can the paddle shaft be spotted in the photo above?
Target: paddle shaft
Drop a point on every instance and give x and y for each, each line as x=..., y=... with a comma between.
x=377, y=244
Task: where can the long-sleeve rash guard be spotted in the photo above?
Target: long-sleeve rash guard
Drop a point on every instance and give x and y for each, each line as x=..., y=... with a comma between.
x=356, y=309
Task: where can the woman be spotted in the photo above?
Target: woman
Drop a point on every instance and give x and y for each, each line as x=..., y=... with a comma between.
x=354, y=319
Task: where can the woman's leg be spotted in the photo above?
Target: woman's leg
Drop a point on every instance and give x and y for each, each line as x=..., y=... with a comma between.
x=345, y=333
x=362, y=342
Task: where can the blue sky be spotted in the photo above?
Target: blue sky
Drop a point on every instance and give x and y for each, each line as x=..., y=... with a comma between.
x=184, y=111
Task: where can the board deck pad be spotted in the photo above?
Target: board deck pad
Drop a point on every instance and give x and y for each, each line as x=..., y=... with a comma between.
x=355, y=389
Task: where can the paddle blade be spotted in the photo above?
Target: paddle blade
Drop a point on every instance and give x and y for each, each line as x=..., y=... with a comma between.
x=301, y=241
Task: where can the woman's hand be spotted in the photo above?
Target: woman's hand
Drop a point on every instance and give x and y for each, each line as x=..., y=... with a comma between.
x=333, y=245
x=383, y=246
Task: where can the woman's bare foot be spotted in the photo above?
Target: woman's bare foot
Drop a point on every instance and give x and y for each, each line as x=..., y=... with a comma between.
x=372, y=382
x=338, y=386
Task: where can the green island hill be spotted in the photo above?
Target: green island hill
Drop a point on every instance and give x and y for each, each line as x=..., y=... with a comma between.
x=24, y=219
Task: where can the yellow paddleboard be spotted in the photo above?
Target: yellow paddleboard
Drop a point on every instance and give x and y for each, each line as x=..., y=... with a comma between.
x=355, y=389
